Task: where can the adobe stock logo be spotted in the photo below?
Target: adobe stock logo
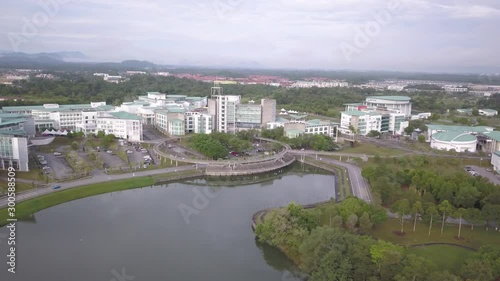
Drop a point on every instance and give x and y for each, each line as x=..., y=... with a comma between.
x=31, y=27
x=121, y=276
x=371, y=29
x=225, y=7
x=201, y=200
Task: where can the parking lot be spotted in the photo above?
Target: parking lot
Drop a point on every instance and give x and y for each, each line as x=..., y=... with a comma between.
x=59, y=168
x=111, y=160
x=487, y=173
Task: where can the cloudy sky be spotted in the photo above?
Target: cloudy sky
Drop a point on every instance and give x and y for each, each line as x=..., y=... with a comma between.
x=409, y=35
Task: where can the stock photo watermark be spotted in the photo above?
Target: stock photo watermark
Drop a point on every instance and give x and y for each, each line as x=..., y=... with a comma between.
x=224, y=8
x=121, y=276
x=11, y=227
x=201, y=200
x=31, y=26
x=363, y=36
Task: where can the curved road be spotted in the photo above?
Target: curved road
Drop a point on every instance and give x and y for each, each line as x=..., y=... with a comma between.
x=359, y=186
x=157, y=151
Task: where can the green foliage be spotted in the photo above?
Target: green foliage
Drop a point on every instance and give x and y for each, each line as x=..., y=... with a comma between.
x=421, y=138
x=209, y=146
x=374, y=134
x=74, y=145
x=483, y=265
x=419, y=179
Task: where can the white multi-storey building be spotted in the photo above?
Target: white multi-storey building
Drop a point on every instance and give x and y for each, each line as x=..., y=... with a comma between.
x=198, y=123
x=400, y=104
x=123, y=125
x=224, y=109
x=365, y=121
x=15, y=131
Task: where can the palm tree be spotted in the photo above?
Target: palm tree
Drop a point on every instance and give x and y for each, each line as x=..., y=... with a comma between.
x=416, y=209
x=460, y=212
x=446, y=209
x=432, y=211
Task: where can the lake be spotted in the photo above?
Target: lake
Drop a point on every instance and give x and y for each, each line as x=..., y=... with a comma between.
x=189, y=231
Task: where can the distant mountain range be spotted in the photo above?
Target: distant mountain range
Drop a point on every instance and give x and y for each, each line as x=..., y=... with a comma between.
x=66, y=61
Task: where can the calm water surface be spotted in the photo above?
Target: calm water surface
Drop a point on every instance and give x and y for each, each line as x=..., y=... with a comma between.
x=143, y=234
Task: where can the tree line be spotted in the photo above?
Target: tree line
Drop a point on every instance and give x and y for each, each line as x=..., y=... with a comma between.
x=343, y=251
x=417, y=187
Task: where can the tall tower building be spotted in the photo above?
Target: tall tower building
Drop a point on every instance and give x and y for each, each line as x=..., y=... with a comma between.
x=223, y=108
x=268, y=111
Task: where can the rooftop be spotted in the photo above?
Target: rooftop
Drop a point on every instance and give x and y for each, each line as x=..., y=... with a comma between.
x=297, y=116
x=489, y=110
x=359, y=113
x=493, y=135
x=125, y=115
x=392, y=98
x=294, y=131
x=478, y=129
x=176, y=120
x=454, y=136
x=12, y=132
x=12, y=121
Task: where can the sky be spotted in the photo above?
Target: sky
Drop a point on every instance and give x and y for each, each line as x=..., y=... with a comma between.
x=399, y=35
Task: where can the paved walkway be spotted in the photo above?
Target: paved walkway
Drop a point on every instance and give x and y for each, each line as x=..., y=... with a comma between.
x=360, y=187
x=92, y=180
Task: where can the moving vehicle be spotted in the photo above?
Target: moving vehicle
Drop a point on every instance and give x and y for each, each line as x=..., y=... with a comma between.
x=57, y=153
x=56, y=187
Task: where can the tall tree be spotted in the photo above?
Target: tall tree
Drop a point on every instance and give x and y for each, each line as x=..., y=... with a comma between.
x=473, y=216
x=416, y=209
x=446, y=209
x=460, y=212
x=431, y=211
x=401, y=207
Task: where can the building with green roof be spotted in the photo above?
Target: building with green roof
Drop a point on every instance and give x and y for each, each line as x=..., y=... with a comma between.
x=399, y=104
x=454, y=140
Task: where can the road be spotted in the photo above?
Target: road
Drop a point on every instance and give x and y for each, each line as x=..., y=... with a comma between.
x=360, y=187
x=279, y=155
x=92, y=180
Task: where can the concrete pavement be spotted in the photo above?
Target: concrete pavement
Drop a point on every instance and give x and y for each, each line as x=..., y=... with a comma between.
x=92, y=180
x=359, y=185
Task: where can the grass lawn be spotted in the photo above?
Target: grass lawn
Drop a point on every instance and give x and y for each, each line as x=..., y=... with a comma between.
x=370, y=149
x=26, y=208
x=443, y=257
x=31, y=175
x=20, y=186
x=122, y=154
x=389, y=231
x=57, y=143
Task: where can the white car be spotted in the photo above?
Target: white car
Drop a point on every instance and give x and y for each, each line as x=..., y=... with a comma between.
x=57, y=153
x=130, y=151
x=109, y=151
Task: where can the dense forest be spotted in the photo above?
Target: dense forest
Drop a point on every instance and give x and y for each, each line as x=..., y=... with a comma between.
x=82, y=88
x=407, y=182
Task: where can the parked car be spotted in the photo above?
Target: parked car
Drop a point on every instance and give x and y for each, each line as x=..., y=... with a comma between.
x=109, y=151
x=57, y=153
x=143, y=150
x=56, y=187
x=129, y=151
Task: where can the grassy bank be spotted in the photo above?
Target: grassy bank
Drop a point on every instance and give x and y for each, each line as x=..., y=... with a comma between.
x=370, y=149
x=26, y=208
x=444, y=257
x=389, y=231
